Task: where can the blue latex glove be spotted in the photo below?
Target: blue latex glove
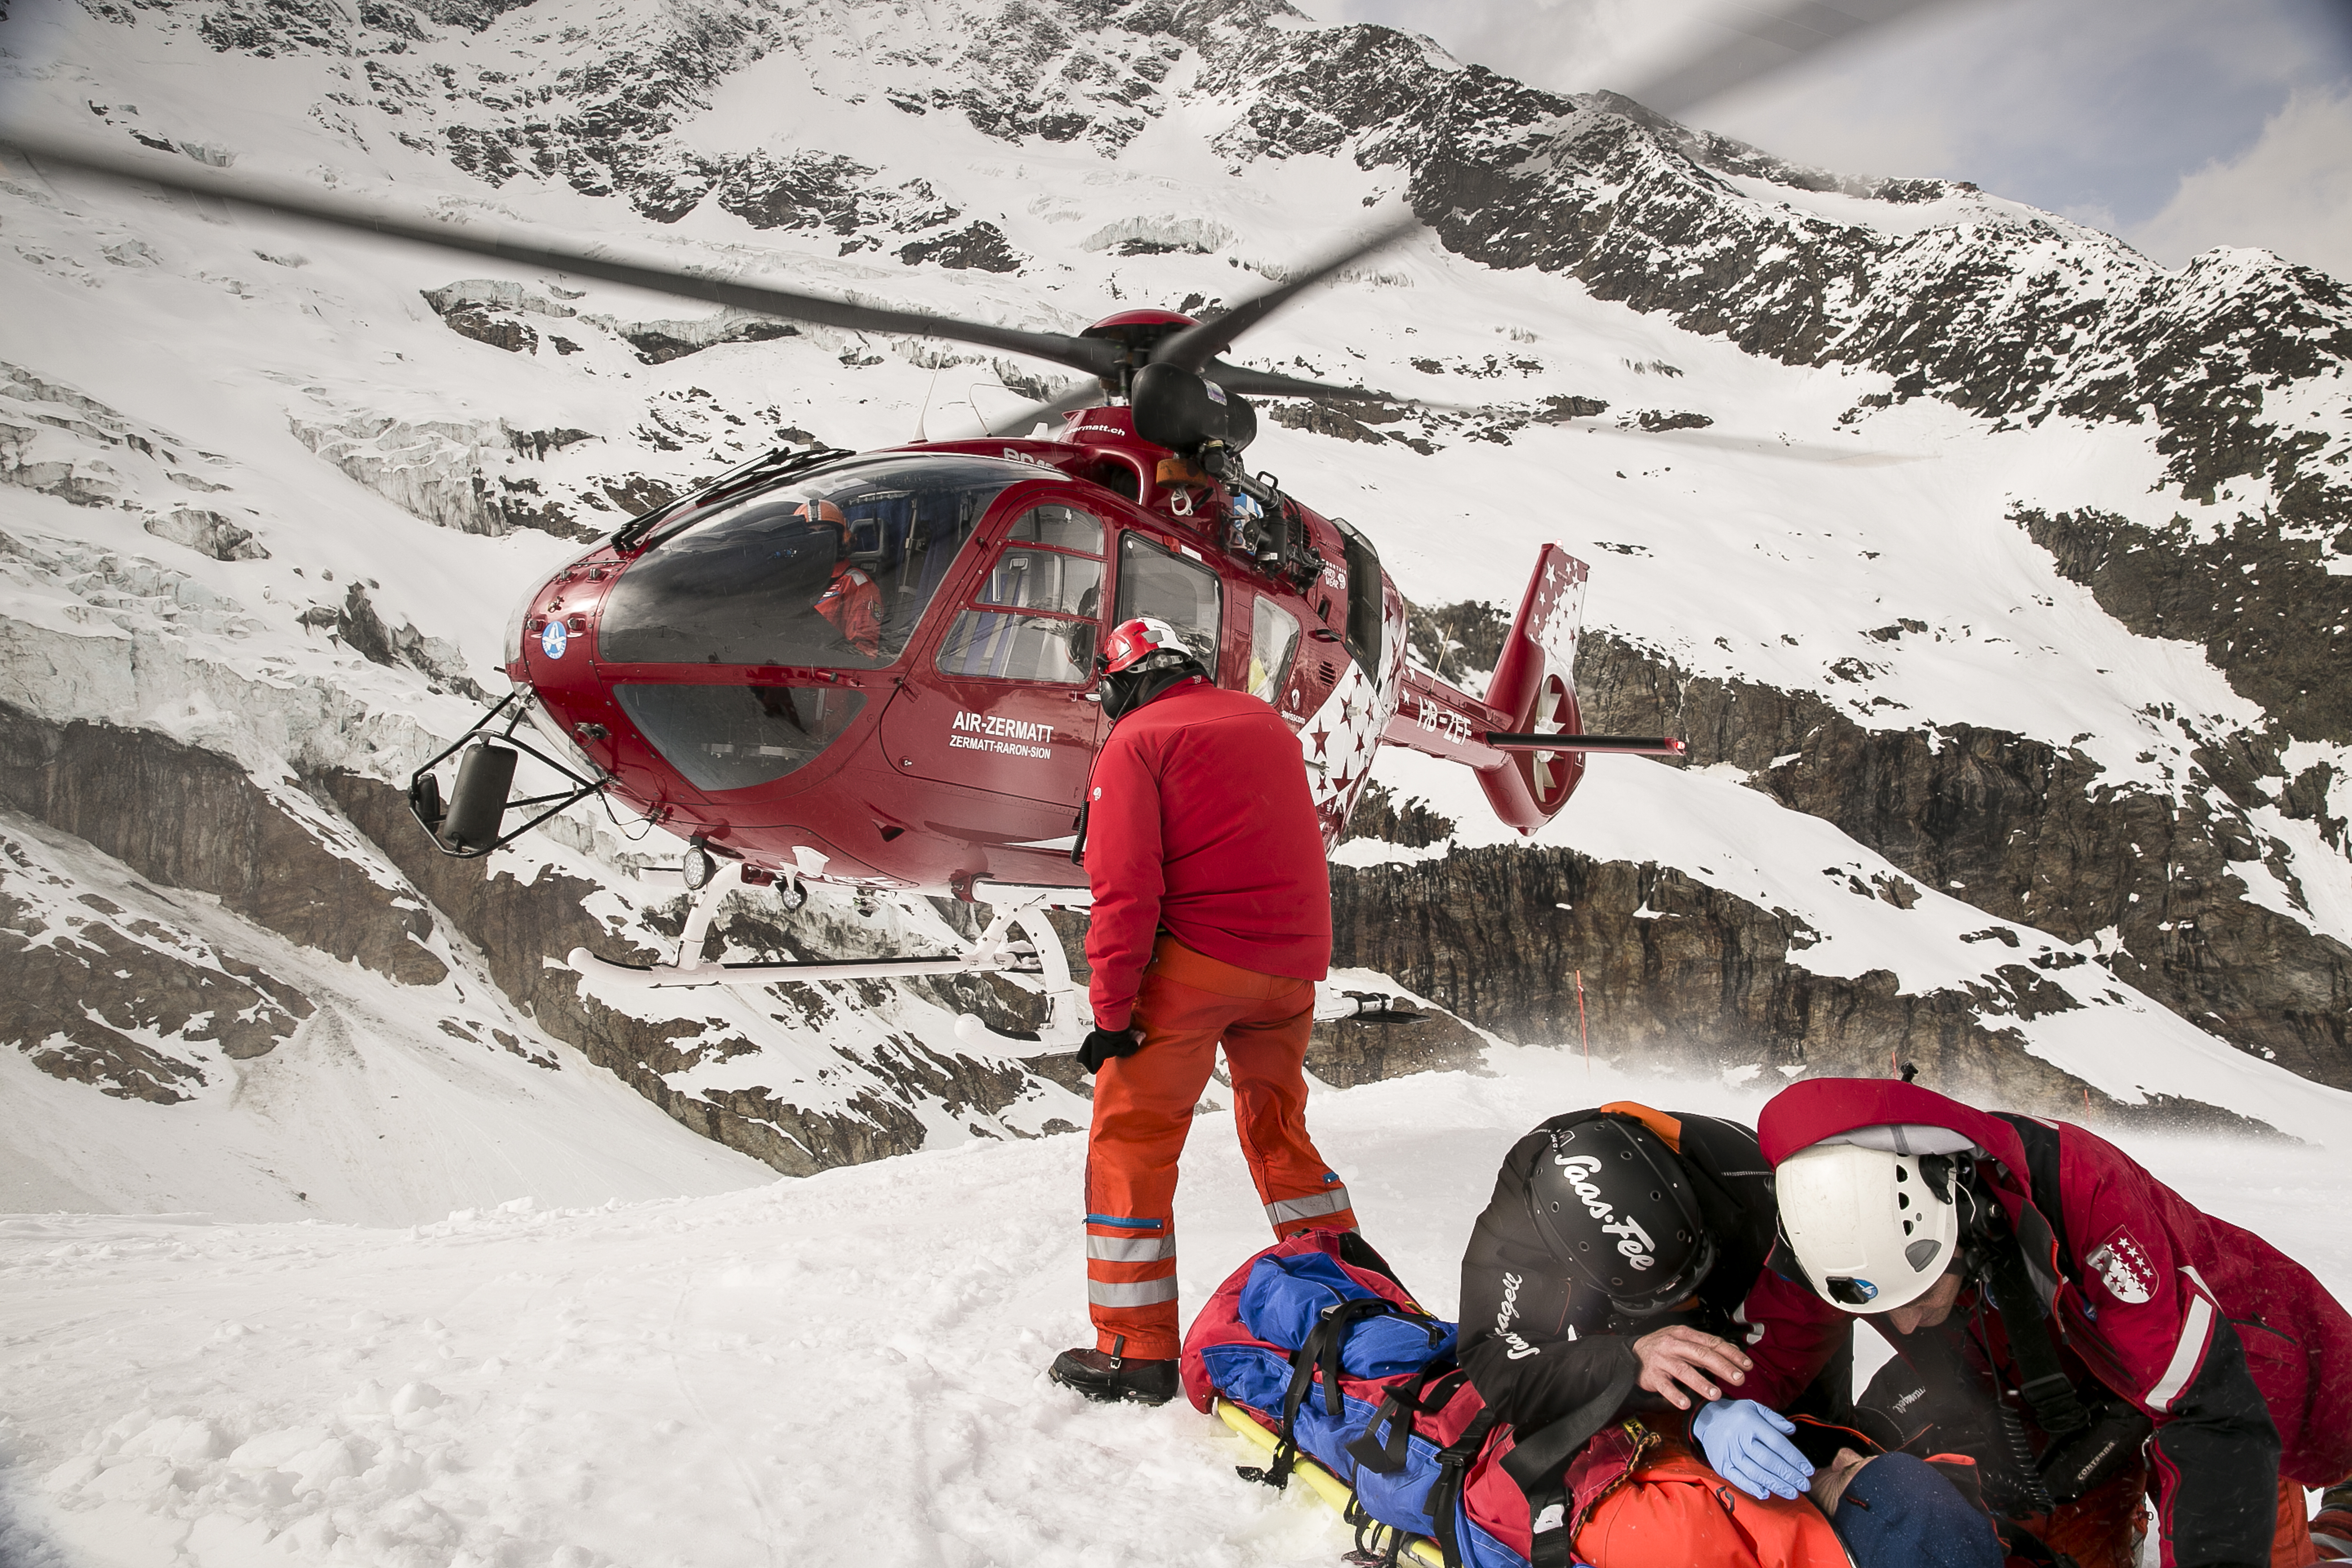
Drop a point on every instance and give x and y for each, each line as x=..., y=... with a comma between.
x=1748, y=1446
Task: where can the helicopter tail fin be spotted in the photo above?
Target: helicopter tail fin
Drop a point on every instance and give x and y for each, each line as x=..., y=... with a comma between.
x=1533, y=689
x=1524, y=738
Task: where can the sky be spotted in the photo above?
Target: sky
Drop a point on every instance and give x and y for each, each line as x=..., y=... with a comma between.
x=2177, y=125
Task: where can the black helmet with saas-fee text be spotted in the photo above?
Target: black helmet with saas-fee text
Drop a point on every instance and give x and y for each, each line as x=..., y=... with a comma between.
x=1615, y=1205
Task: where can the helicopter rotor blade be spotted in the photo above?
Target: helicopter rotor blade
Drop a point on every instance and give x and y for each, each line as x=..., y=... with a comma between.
x=1753, y=41
x=1195, y=347
x=1094, y=355
x=1266, y=383
x=1083, y=395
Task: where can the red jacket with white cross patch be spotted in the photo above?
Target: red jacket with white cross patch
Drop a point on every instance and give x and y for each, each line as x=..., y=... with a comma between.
x=1198, y=821
x=2242, y=1358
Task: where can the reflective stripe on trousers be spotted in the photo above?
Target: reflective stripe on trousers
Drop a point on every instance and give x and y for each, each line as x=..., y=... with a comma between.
x=1130, y=1270
x=1284, y=1211
x=1130, y=1248
x=1137, y=1293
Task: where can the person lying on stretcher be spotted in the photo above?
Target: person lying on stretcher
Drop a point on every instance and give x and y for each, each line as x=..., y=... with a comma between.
x=1617, y=1310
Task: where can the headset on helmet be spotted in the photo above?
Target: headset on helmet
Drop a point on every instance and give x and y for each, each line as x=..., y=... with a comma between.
x=1615, y=1205
x=1878, y=1216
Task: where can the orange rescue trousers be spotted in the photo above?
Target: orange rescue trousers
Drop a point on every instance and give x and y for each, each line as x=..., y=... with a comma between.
x=1188, y=1006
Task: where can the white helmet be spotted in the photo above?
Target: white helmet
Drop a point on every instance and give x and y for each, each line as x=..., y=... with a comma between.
x=1871, y=1228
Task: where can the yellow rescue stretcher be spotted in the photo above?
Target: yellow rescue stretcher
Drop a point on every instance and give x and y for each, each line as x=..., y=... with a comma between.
x=1419, y=1549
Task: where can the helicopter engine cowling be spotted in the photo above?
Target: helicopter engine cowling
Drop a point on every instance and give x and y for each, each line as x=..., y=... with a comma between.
x=1240, y=421
x=1180, y=410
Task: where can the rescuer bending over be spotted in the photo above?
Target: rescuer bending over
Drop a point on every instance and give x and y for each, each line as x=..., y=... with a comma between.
x=1211, y=922
x=1616, y=1309
x=2003, y=1252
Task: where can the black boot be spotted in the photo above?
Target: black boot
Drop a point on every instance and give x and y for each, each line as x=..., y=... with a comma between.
x=1109, y=1377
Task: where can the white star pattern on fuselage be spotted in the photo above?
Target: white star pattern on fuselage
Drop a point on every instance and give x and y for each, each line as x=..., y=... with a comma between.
x=1355, y=713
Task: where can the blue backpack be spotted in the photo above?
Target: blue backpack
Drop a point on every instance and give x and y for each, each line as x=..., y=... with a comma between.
x=1318, y=1342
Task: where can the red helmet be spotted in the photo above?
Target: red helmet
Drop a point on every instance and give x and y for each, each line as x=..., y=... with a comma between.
x=1138, y=638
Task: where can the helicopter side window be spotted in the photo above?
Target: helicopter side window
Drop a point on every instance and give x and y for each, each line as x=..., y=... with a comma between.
x=1063, y=527
x=1043, y=579
x=1034, y=616
x=1157, y=582
x=1273, y=640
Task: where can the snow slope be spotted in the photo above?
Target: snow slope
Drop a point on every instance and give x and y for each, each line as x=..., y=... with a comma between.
x=383, y=1104
x=844, y=1369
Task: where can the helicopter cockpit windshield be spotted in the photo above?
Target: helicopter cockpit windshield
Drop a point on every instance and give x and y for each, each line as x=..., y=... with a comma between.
x=830, y=570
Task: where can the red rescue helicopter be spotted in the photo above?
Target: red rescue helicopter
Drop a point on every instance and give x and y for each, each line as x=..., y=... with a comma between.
x=876, y=670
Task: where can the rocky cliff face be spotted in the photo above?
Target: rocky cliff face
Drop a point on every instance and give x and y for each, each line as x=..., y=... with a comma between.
x=2153, y=886
x=516, y=923
x=332, y=862
x=1996, y=309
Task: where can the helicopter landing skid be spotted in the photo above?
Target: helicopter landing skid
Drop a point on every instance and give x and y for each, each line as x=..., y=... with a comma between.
x=997, y=952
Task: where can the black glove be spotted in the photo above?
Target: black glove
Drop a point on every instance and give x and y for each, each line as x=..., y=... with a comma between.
x=2076, y=1465
x=1104, y=1043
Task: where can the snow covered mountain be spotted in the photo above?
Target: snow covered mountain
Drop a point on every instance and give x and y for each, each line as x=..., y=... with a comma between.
x=1998, y=578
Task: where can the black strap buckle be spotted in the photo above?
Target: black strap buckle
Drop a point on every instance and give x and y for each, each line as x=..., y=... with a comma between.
x=1453, y=1464
x=1426, y=1393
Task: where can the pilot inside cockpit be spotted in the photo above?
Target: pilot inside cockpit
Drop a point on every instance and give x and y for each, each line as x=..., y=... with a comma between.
x=851, y=601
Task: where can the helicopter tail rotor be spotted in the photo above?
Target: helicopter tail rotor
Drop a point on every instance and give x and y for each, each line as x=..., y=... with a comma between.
x=1535, y=683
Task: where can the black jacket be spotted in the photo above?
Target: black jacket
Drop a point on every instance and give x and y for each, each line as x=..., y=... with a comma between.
x=1538, y=1346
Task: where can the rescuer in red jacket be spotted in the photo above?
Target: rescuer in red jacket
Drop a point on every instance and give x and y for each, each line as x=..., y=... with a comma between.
x=2170, y=1337
x=1211, y=922
x=851, y=601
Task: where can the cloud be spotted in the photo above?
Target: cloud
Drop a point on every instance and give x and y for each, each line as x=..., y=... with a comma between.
x=2291, y=192
x=2092, y=108
x=1563, y=46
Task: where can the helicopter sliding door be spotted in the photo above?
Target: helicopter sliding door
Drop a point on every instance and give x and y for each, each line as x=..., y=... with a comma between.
x=1005, y=702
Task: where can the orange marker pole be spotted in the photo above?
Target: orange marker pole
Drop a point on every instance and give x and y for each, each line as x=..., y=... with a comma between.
x=1580, y=1028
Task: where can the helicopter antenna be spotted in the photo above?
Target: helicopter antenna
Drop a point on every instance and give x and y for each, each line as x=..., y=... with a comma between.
x=1431, y=622
x=924, y=413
